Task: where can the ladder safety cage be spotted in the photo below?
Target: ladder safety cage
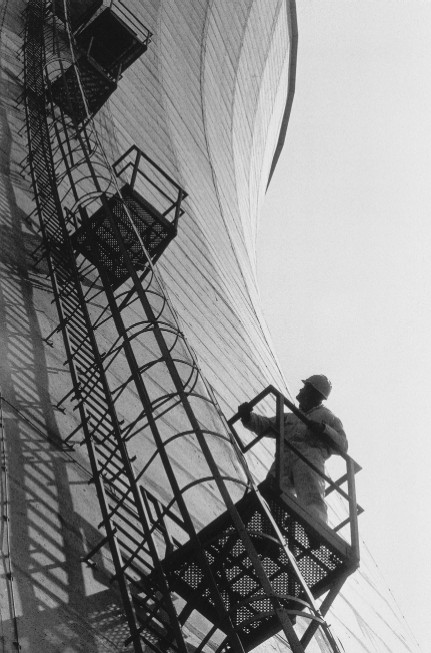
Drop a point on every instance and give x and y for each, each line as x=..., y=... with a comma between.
x=147, y=227
x=97, y=392
x=108, y=39
x=123, y=512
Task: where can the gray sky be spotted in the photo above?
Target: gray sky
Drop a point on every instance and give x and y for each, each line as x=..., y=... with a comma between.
x=344, y=262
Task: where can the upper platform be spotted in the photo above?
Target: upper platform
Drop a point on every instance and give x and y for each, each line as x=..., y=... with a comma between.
x=107, y=41
x=113, y=38
x=128, y=229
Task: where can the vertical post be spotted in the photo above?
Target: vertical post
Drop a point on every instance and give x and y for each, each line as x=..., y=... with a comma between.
x=178, y=206
x=326, y=604
x=90, y=45
x=279, y=451
x=119, y=71
x=353, y=509
x=135, y=168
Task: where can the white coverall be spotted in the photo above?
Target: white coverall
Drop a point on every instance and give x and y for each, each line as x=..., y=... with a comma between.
x=297, y=478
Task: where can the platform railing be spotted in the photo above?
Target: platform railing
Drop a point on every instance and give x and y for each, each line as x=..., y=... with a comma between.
x=139, y=170
x=132, y=21
x=344, y=486
x=126, y=15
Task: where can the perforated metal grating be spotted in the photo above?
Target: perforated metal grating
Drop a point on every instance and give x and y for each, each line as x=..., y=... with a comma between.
x=98, y=242
x=97, y=87
x=250, y=609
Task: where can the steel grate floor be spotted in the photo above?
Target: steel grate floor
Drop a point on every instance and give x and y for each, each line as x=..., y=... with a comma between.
x=251, y=611
x=98, y=242
x=97, y=86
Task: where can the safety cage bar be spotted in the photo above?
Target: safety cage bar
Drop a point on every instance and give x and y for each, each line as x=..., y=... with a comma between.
x=352, y=467
x=139, y=166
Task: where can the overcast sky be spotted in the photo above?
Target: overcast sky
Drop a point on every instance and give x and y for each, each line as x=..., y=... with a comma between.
x=344, y=262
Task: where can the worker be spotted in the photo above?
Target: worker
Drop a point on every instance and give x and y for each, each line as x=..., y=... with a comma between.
x=323, y=436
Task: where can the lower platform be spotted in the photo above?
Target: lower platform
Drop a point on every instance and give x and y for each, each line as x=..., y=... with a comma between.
x=97, y=241
x=321, y=555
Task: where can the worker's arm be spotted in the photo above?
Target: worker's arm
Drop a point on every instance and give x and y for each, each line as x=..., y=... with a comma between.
x=257, y=423
x=331, y=432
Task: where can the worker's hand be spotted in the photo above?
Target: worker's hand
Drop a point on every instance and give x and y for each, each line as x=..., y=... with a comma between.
x=244, y=411
x=318, y=428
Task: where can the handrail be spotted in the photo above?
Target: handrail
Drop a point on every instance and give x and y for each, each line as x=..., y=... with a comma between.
x=131, y=161
x=133, y=20
x=140, y=153
x=126, y=16
x=352, y=467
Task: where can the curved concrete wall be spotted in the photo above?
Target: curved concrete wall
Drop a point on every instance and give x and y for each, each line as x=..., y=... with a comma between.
x=205, y=92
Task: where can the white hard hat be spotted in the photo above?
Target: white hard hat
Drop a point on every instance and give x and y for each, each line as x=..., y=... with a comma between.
x=321, y=383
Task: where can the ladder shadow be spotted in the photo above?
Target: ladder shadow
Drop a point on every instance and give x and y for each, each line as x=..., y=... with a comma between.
x=53, y=599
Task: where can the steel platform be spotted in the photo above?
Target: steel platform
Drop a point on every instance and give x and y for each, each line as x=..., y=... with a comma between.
x=106, y=46
x=97, y=241
x=321, y=555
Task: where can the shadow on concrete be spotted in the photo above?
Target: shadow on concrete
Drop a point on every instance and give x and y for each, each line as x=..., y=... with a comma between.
x=59, y=604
